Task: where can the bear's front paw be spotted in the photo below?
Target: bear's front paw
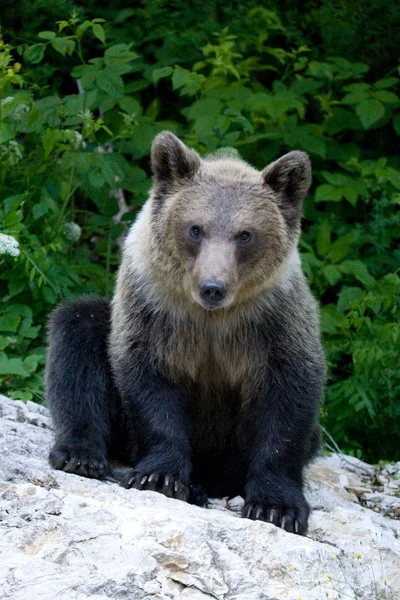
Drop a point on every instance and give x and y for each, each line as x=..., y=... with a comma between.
x=77, y=459
x=293, y=519
x=156, y=482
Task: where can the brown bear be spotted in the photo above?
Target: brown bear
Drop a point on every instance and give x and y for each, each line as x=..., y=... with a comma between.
x=206, y=371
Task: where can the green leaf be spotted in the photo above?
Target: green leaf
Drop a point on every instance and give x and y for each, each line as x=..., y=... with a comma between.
x=12, y=366
x=130, y=105
x=12, y=202
x=369, y=112
x=327, y=193
x=80, y=30
x=323, y=241
x=63, y=45
x=10, y=322
x=348, y=298
x=340, y=248
x=110, y=82
x=34, y=54
x=394, y=177
x=160, y=73
x=46, y=35
x=330, y=321
x=5, y=133
x=355, y=97
x=359, y=270
x=98, y=31
x=188, y=83
x=386, y=83
x=387, y=97
x=87, y=74
x=337, y=179
x=49, y=140
x=332, y=274
x=23, y=395
x=351, y=195
x=30, y=363
x=357, y=87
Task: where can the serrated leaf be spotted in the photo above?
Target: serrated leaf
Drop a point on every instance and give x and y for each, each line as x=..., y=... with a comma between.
x=369, y=112
x=349, y=297
x=160, y=73
x=12, y=366
x=34, y=54
x=188, y=83
x=359, y=270
x=86, y=73
x=110, y=82
x=130, y=105
x=10, y=322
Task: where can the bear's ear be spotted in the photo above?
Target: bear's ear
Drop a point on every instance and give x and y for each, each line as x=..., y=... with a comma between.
x=289, y=177
x=171, y=160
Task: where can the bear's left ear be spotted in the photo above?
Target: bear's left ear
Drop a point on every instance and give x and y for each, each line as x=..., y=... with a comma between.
x=171, y=160
x=289, y=177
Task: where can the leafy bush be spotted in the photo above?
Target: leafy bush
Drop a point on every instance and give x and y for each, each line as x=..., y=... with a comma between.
x=78, y=114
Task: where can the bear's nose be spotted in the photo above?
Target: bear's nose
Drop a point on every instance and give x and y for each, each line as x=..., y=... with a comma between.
x=213, y=292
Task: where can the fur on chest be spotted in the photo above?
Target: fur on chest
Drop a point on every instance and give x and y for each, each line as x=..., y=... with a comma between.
x=208, y=356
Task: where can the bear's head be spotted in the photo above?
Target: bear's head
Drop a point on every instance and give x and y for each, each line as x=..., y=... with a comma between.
x=221, y=230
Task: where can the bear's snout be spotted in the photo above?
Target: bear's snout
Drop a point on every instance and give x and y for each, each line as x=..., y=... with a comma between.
x=213, y=292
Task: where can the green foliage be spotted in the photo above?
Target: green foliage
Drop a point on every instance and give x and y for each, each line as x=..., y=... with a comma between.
x=80, y=103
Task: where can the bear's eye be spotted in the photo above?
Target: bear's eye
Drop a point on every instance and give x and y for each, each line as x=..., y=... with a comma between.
x=195, y=231
x=244, y=238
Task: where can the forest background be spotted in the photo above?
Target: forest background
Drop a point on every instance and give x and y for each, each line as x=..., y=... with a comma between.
x=85, y=87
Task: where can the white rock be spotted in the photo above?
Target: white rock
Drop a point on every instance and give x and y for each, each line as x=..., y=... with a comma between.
x=65, y=537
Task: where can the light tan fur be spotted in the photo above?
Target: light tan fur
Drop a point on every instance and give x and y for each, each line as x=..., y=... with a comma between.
x=225, y=196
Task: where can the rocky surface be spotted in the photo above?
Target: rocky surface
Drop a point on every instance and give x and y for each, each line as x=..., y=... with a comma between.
x=65, y=537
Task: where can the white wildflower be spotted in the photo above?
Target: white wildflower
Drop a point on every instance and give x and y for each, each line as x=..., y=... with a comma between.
x=79, y=143
x=19, y=112
x=12, y=152
x=9, y=245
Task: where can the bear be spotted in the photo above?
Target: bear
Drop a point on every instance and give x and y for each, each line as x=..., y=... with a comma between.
x=205, y=371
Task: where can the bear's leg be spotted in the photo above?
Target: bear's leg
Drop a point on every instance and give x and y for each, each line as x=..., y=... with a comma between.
x=79, y=388
x=283, y=422
x=157, y=414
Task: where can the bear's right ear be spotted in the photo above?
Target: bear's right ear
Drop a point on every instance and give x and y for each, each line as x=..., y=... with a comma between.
x=171, y=160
